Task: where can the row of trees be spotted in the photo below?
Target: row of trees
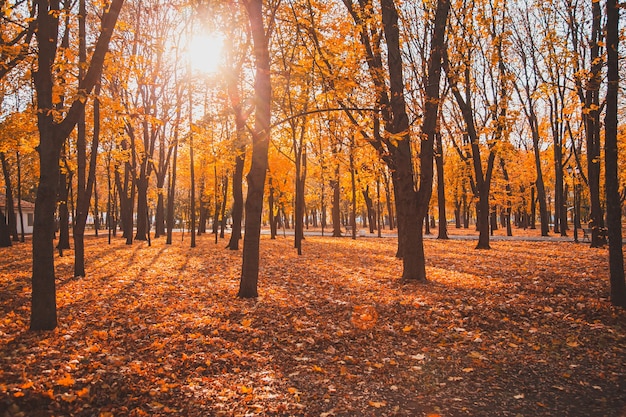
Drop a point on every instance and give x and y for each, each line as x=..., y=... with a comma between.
x=313, y=100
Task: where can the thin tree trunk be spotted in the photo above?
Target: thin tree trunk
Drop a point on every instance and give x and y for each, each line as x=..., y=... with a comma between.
x=353, y=182
x=441, y=189
x=19, y=195
x=272, y=214
x=84, y=183
x=10, y=206
x=336, y=204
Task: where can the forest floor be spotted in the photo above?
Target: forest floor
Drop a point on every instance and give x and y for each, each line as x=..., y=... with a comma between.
x=523, y=329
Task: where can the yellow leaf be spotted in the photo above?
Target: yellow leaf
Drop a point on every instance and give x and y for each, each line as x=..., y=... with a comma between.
x=66, y=381
x=18, y=394
x=364, y=317
x=246, y=322
x=83, y=392
x=407, y=329
x=245, y=390
x=317, y=369
x=377, y=404
x=292, y=390
x=27, y=385
x=101, y=334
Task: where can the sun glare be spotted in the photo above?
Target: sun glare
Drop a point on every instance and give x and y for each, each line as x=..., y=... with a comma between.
x=206, y=52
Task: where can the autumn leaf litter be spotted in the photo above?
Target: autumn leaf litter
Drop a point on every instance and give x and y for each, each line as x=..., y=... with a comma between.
x=524, y=329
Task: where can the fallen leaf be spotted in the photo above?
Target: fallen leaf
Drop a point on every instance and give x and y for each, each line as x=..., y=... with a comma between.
x=377, y=404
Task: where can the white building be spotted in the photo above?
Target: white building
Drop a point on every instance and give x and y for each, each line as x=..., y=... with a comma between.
x=28, y=214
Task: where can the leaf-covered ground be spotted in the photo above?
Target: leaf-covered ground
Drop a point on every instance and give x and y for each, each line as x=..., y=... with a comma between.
x=521, y=330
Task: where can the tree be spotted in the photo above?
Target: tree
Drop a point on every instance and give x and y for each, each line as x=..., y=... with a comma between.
x=526, y=86
x=394, y=145
x=260, y=143
x=10, y=205
x=54, y=128
x=614, y=207
x=474, y=53
x=85, y=183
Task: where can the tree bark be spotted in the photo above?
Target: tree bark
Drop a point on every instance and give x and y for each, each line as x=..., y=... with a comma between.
x=336, y=203
x=441, y=189
x=260, y=144
x=10, y=205
x=19, y=195
x=592, y=129
x=52, y=135
x=614, y=209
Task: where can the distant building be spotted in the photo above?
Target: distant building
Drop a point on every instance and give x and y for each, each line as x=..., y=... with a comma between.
x=28, y=213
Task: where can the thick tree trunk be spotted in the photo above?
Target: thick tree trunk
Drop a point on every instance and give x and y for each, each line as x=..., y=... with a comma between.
x=592, y=129
x=482, y=220
x=43, y=311
x=260, y=145
x=614, y=209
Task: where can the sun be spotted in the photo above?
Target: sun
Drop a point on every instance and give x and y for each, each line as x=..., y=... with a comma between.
x=206, y=52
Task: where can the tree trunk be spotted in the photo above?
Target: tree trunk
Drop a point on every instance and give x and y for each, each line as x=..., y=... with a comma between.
x=141, y=232
x=223, y=207
x=614, y=209
x=336, y=204
x=592, y=129
x=300, y=183
x=509, y=194
x=260, y=145
x=64, y=214
x=43, y=310
x=171, y=192
x=10, y=206
x=5, y=235
x=85, y=181
x=237, y=211
x=441, y=189
x=272, y=213
x=371, y=213
x=192, y=179
x=19, y=195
